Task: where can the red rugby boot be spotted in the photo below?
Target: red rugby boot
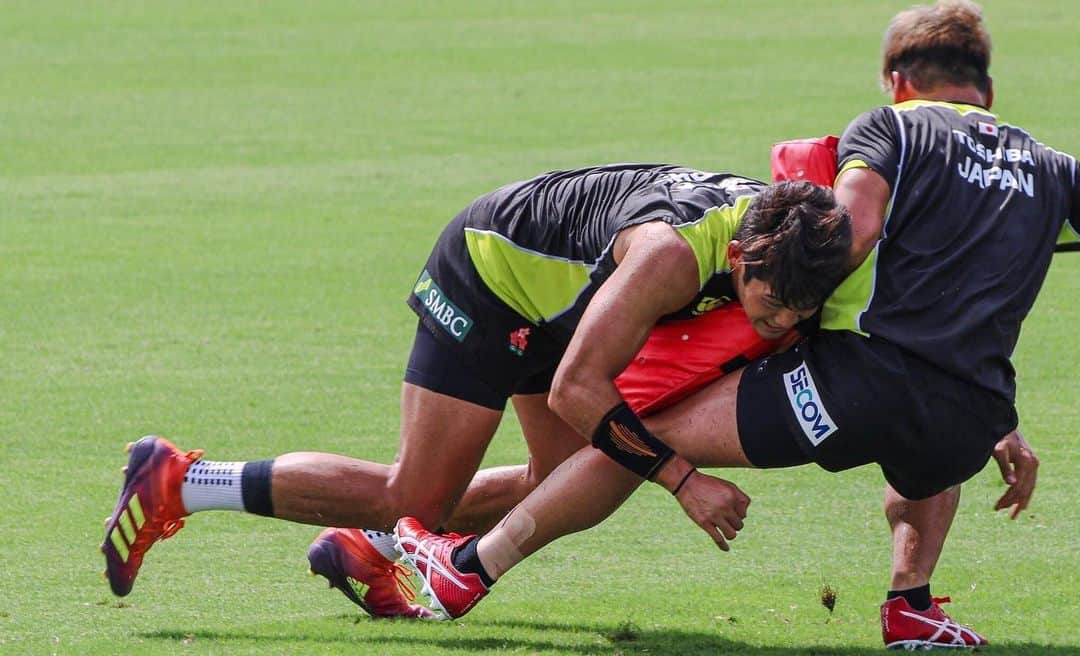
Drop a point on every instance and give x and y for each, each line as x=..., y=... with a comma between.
x=149, y=509
x=452, y=593
x=903, y=627
x=348, y=560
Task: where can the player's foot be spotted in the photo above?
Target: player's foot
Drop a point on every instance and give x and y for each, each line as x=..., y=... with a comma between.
x=452, y=592
x=903, y=627
x=150, y=508
x=348, y=560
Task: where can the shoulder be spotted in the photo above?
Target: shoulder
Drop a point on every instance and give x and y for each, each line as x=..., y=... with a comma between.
x=878, y=120
x=658, y=238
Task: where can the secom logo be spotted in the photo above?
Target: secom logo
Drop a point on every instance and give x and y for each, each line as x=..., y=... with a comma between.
x=806, y=402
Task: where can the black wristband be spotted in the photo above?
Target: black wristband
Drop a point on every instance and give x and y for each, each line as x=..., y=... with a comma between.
x=623, y=437
x=678, y=487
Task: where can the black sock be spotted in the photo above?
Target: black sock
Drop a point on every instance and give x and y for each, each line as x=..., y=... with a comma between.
x=467, y=561
x=918, y=598
x=255, y=487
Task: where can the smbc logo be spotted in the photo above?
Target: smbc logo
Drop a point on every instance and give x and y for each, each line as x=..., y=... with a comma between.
x=441, y=308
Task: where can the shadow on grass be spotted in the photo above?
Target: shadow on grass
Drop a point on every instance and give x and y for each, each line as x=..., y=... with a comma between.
x=602, y=639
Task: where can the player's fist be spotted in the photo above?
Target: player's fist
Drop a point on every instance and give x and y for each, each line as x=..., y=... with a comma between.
x=717, y=506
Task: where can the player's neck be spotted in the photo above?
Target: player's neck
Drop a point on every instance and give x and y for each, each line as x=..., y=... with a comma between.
x=968, y=95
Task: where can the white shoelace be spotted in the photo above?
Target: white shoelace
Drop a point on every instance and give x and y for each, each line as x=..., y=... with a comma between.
x=947, y=627
x=422, y=556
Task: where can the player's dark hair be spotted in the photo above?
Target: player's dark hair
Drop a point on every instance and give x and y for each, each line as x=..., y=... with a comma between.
x=797, y=239
x=946, y=43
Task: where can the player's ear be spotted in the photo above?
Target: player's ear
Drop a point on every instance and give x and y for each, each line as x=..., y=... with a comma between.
x=734, y=253
x=901, y=88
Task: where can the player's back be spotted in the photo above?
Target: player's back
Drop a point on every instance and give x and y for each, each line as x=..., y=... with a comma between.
x=543, y=245
x=976, y=209
x=575, y=213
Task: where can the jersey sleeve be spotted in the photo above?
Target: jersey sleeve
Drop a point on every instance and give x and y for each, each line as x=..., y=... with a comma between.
x=1071, y=231
x=872, y=141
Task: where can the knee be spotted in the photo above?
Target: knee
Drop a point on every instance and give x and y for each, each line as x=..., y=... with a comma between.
x=408, y=496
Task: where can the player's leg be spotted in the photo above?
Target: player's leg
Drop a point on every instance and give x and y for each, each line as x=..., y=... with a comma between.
x=496, y=490
x=359, y=562
x=163, y=485
x=911, y=617
x=458, y=571
x=491, y=489
x=580, y=493
x=442, y=442
x=590, y=486
x=919, y=529
x=443, y=437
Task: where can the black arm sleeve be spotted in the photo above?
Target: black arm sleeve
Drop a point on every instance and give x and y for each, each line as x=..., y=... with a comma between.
x=1074, y=210
x=874, y=138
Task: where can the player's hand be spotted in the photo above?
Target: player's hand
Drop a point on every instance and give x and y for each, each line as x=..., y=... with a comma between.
x=716, y=505
x=1019, y=468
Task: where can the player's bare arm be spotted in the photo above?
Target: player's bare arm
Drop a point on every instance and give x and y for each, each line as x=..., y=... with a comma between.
x=866, y=195
x=656, y=274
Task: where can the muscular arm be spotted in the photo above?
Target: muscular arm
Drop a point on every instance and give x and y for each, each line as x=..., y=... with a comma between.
x=866, y=195
x=656, y=275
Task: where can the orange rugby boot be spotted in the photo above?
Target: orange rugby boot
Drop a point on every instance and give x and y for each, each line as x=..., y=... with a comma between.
x=348, y=560
x=150, y=508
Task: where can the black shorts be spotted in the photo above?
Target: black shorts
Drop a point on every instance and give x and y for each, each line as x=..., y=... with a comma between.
x=843, y=400
x=478, y=348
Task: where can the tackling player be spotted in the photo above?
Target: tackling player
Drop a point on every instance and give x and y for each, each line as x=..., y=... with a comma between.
x=511, y=285
x=955, y=218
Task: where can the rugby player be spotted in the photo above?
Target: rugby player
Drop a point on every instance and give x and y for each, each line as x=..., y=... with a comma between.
x=541, y=285
x=955, y=217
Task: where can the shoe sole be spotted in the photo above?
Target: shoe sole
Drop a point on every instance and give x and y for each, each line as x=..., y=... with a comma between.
x=141, y=452
x=923, y=645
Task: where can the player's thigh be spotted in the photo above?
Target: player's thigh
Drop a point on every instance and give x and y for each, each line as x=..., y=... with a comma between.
x=737, y=421
x=443, y=440
x=550, y=439
x=449, y=414
x=703, y=428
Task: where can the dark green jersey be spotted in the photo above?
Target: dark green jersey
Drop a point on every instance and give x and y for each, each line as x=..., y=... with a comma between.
x=977, y=206
x=544, y=246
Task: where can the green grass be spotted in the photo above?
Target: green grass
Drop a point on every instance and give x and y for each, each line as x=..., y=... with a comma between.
x=210, y=217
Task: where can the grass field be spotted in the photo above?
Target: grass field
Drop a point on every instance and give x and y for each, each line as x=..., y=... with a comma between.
x=210, y=214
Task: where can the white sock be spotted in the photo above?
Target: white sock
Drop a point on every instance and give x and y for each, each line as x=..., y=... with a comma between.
x=210, y=485
x=384, y=542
